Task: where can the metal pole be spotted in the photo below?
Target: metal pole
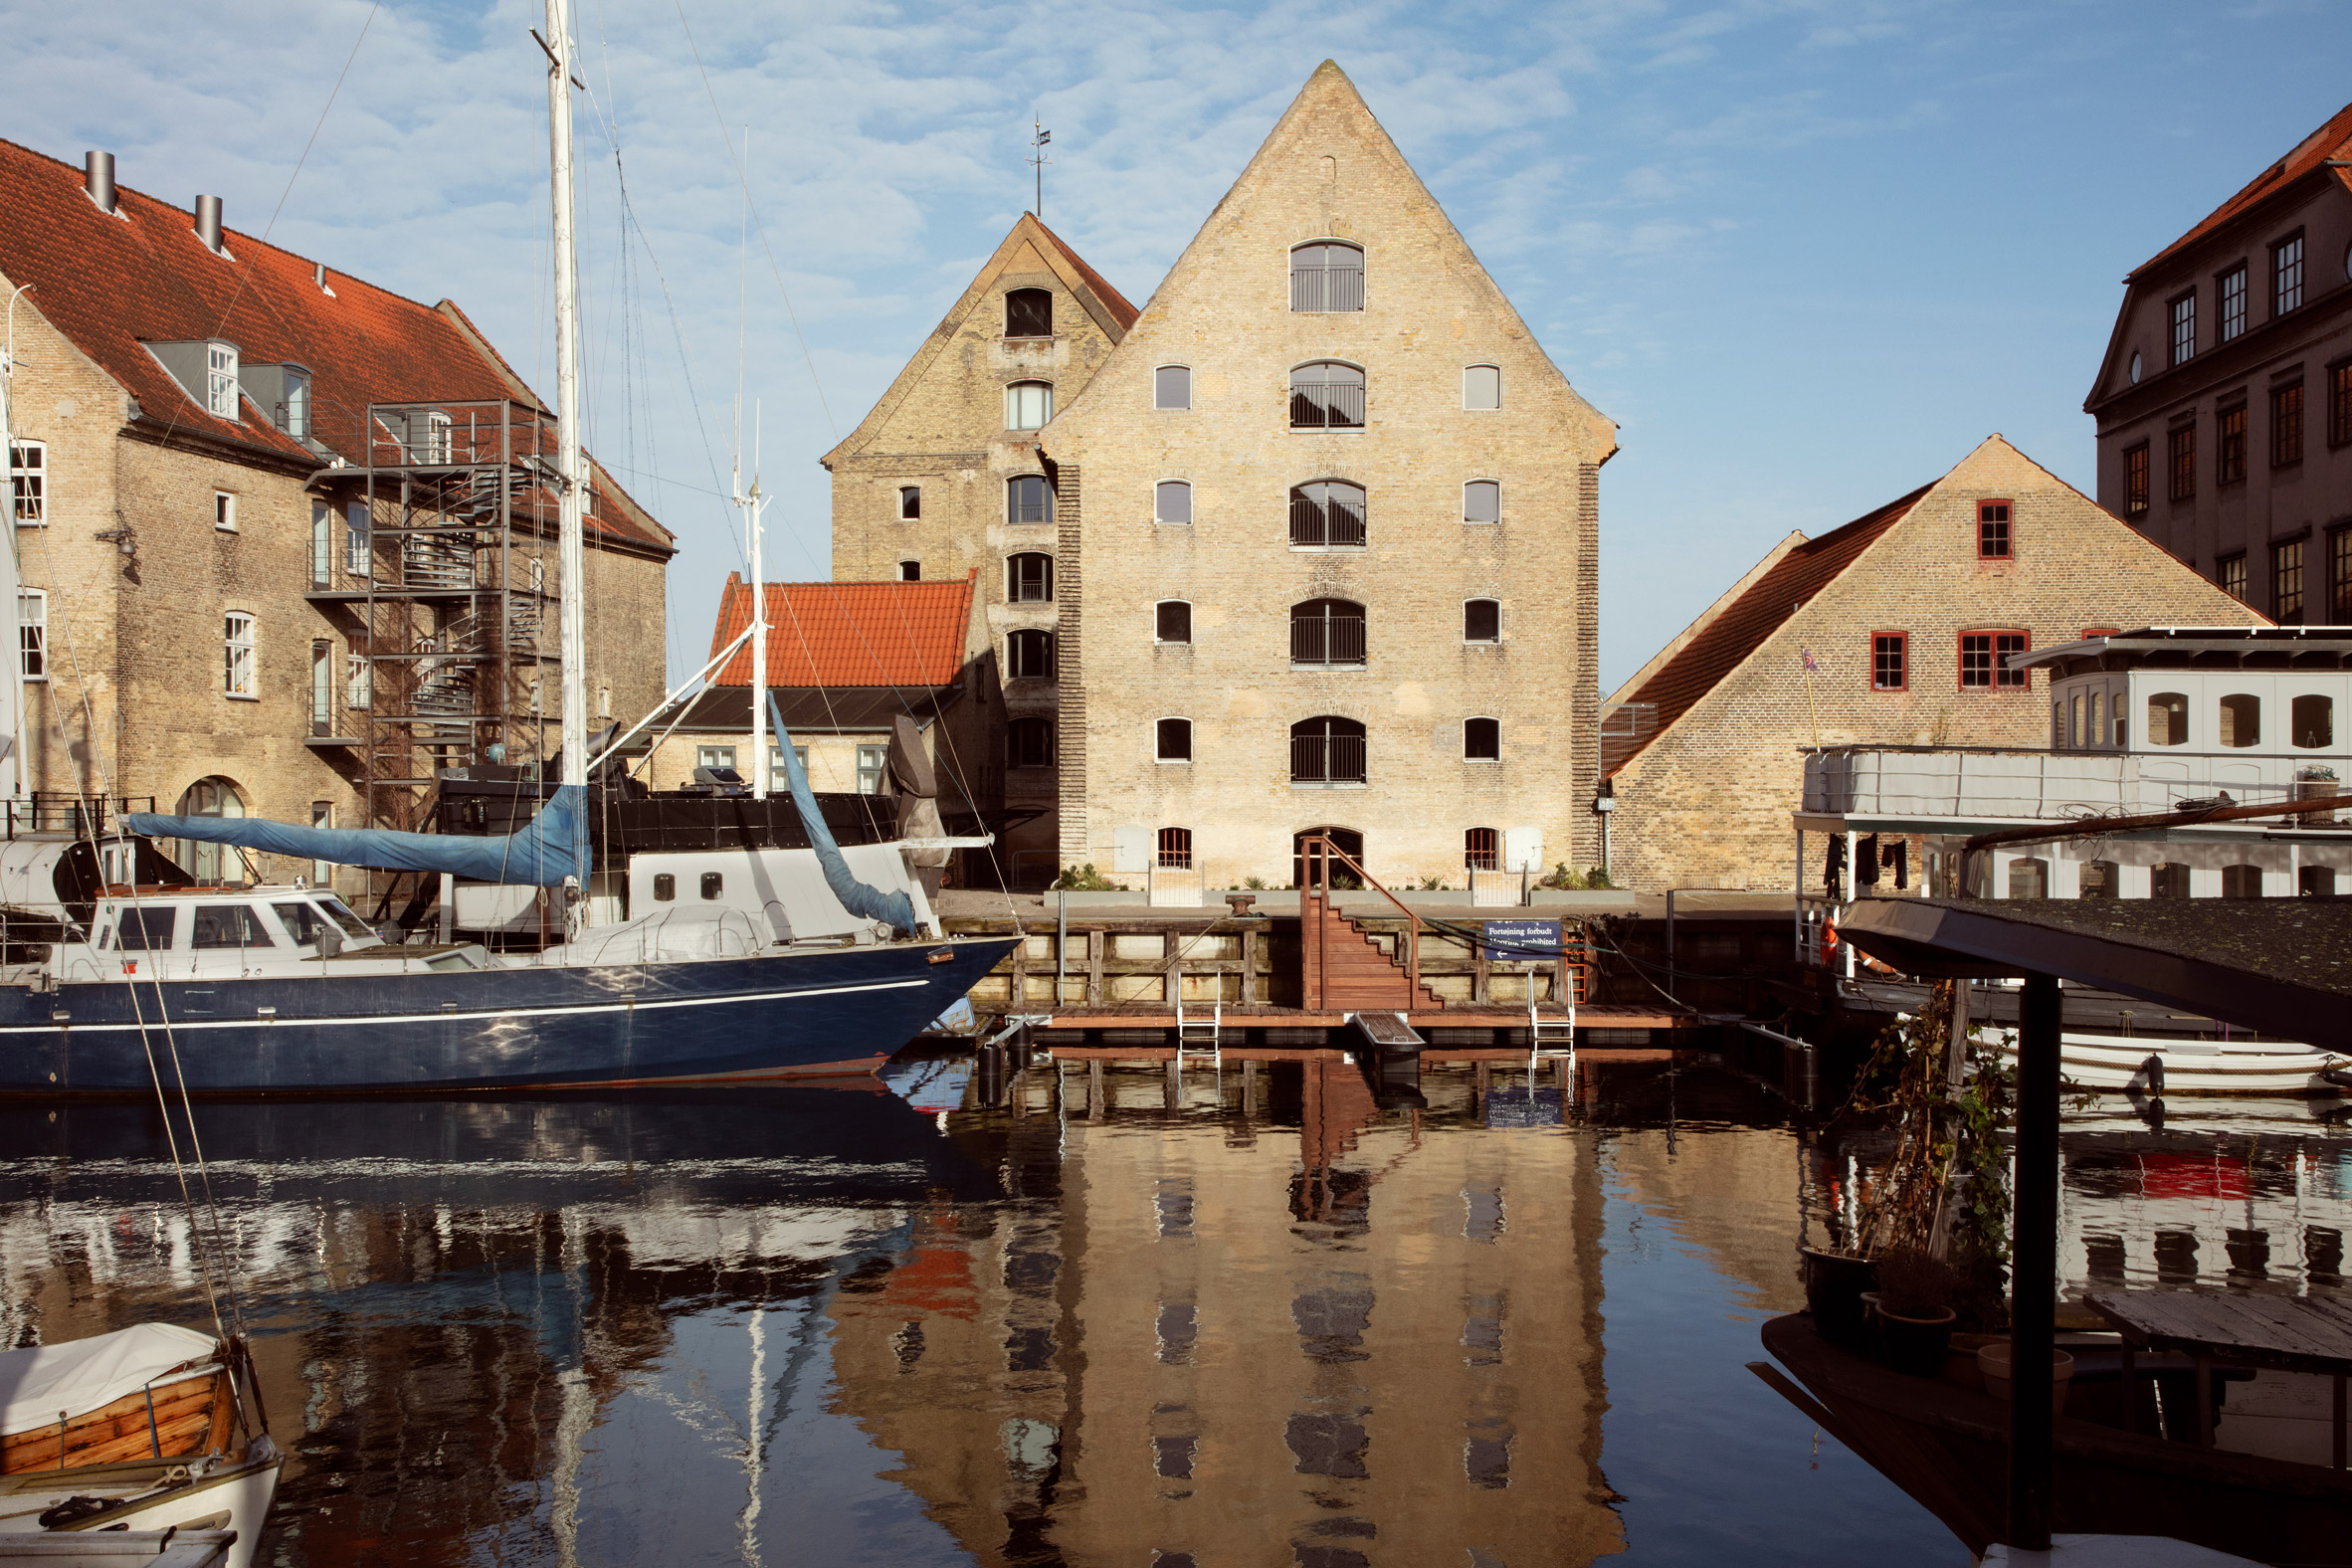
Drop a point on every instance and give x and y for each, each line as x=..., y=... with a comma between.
x=1670, y=996
x=568, y=409
x=2034, y=1274
x=14, y=773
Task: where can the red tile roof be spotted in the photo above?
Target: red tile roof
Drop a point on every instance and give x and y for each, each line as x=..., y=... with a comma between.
x=113, y=284
x=851, y=633
x=1111, y=297
x=2331, y=140
x=1741, y=628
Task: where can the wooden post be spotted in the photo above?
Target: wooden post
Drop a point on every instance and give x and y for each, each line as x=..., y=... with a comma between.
x=1096, y=1105
x=1250, y=1090
x=1096, y=940
x=2033, y=1306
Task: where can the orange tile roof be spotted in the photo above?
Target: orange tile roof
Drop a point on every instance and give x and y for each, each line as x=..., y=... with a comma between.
x=113, y=284
x=1726, y=642
x=1111, y=297
x=851, y=633
x=2331, y=140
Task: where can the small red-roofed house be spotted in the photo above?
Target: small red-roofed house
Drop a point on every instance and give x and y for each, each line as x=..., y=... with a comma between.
x=286, y=539
x=846, y=659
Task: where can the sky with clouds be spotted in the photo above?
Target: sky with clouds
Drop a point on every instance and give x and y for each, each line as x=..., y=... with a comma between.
x=1807, y=253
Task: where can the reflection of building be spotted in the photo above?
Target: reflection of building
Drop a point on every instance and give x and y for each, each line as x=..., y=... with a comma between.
x=1220, y=1341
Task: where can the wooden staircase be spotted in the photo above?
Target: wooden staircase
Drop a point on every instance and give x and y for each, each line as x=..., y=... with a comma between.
x=1346, y=972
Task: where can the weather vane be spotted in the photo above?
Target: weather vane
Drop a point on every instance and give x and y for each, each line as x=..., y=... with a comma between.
x=1038, y=139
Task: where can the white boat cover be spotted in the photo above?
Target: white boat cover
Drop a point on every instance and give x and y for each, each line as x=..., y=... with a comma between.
x=39, y=1384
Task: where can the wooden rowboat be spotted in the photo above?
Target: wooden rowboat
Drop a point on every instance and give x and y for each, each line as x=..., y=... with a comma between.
x=148, y=1429
x=1947, y=1445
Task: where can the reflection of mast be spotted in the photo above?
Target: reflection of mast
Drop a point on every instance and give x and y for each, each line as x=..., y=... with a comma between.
x=755, y=1442
x=578, y=1413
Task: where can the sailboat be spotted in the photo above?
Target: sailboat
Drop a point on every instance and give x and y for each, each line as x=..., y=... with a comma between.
x=834, y=960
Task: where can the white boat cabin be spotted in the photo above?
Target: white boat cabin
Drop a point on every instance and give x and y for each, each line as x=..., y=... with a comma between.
x=2140, y=722
x=252, y=932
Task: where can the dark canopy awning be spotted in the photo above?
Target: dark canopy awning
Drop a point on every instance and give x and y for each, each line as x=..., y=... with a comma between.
x=2283, y=966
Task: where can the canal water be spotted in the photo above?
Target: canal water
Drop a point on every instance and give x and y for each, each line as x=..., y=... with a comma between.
x=1118, y=1322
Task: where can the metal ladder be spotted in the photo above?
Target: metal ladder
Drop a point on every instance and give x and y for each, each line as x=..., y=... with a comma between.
x=1195, y=1033
x=1559, y=1034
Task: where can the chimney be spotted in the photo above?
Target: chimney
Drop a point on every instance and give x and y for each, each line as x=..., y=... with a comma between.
x=97, y=178
x=208, y=223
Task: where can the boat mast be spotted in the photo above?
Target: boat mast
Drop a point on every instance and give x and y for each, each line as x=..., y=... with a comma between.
x=752, y=504
x=570, y=491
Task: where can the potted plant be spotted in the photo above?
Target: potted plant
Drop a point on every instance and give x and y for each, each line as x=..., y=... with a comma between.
x=1916, y=1313
x=1834, y=1286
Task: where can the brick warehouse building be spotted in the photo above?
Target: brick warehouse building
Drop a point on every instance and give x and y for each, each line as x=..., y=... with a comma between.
x=1326, y=547
x=2224, y=399
x=284, y=538
x=1904, y=615
x=943, y=478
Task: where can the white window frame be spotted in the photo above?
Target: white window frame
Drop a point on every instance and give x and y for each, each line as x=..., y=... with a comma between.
x=1184, y=407
x=224, y=512
x=1174, y=523
x=1013, y=389
x=359, y=679
x=1466, y=404
x=874, y=763
x=32, y=633
x=714, y=756
x=298, y=402
x=220, y=379
x=1158, y=640
x=1473, y=720
x=439, y=438
x=1469, y=641
x=359, y=530
x=240, y=657
x=1191, y=740
x=911, y=570
x=1482, y=523
x=27, y=481
x=915, y=491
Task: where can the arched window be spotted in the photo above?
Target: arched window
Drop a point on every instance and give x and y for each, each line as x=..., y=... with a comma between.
x=1327, y=276
x=1171, y=387
x=1482, y=740
x=1027, y=500
x=1028, y=405
x=2029, y=878
x=2311, y=721
x=1327, y=751
x=1327, y=395
x=1172, y=621
x=1029, y=578
x=2241, y=720
x=1030, y=656
x=1029, y=312
x=1029, y=743
x=2168, y=879
x=1174, y=740
x=1171, y=501
x=2242, y=882
x=1327, y=514
x=1174, y=849
x=1481, y=850
x=2168, y=718
x=1481, y=620
x=1481, y=501
x=210, y=864
x=1481, y=387
x=2099, y=879
x=1326, y=632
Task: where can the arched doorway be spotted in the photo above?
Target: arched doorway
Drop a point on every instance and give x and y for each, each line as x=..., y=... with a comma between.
x=210, y=864
x=1346, y=840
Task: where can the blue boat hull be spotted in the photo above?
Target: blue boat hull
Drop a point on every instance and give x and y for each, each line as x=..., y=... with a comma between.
x=709, y=1021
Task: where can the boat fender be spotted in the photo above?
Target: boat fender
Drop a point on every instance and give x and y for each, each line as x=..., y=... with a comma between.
x=2154, y=1068
x=71, y=1511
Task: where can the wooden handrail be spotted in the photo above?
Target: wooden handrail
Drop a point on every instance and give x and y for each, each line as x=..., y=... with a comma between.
x=1322, y=872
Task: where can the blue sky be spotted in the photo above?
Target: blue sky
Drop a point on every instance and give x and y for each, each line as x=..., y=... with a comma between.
x=1807, y=255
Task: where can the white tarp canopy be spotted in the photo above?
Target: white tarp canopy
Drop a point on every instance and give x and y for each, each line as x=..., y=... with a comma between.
x=41, y=1382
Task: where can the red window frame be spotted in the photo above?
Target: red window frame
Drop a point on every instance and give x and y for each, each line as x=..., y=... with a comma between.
x=1899, y=644
x=2181, y=453
x=1172, y=848
x=1481, y=850
x=1996, y=529
x=2135, y=480
x=1998, y=676
x=2229, y=440
x=2090, y=632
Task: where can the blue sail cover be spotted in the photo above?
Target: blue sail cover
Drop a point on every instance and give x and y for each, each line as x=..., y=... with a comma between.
x=552, y=847
x=891, y=909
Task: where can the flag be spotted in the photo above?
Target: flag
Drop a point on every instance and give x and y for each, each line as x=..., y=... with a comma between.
x=1811, y=668
x=1043, y=136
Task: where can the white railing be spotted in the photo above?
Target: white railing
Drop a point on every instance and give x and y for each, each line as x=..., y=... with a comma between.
x=1175, y=888
x=1494, y=889
x=2038, y=785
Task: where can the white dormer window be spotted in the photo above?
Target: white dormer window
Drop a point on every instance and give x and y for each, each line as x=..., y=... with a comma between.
x=220, y=381
x=296, y=418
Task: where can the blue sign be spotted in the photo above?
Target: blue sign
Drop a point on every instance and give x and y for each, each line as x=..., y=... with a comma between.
x=1543, y=935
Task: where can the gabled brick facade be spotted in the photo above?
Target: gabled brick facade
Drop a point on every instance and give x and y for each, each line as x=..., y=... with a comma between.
x=1714, y=729
x=1428, y=334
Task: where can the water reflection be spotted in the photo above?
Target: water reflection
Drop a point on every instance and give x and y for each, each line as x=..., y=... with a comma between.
x=1077, y=1317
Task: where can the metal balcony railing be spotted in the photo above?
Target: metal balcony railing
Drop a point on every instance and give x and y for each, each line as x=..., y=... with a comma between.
x=1326, y=405
x=1327, y=640
x=1327, y=288
x=1330, y=523
x=1327, y=759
